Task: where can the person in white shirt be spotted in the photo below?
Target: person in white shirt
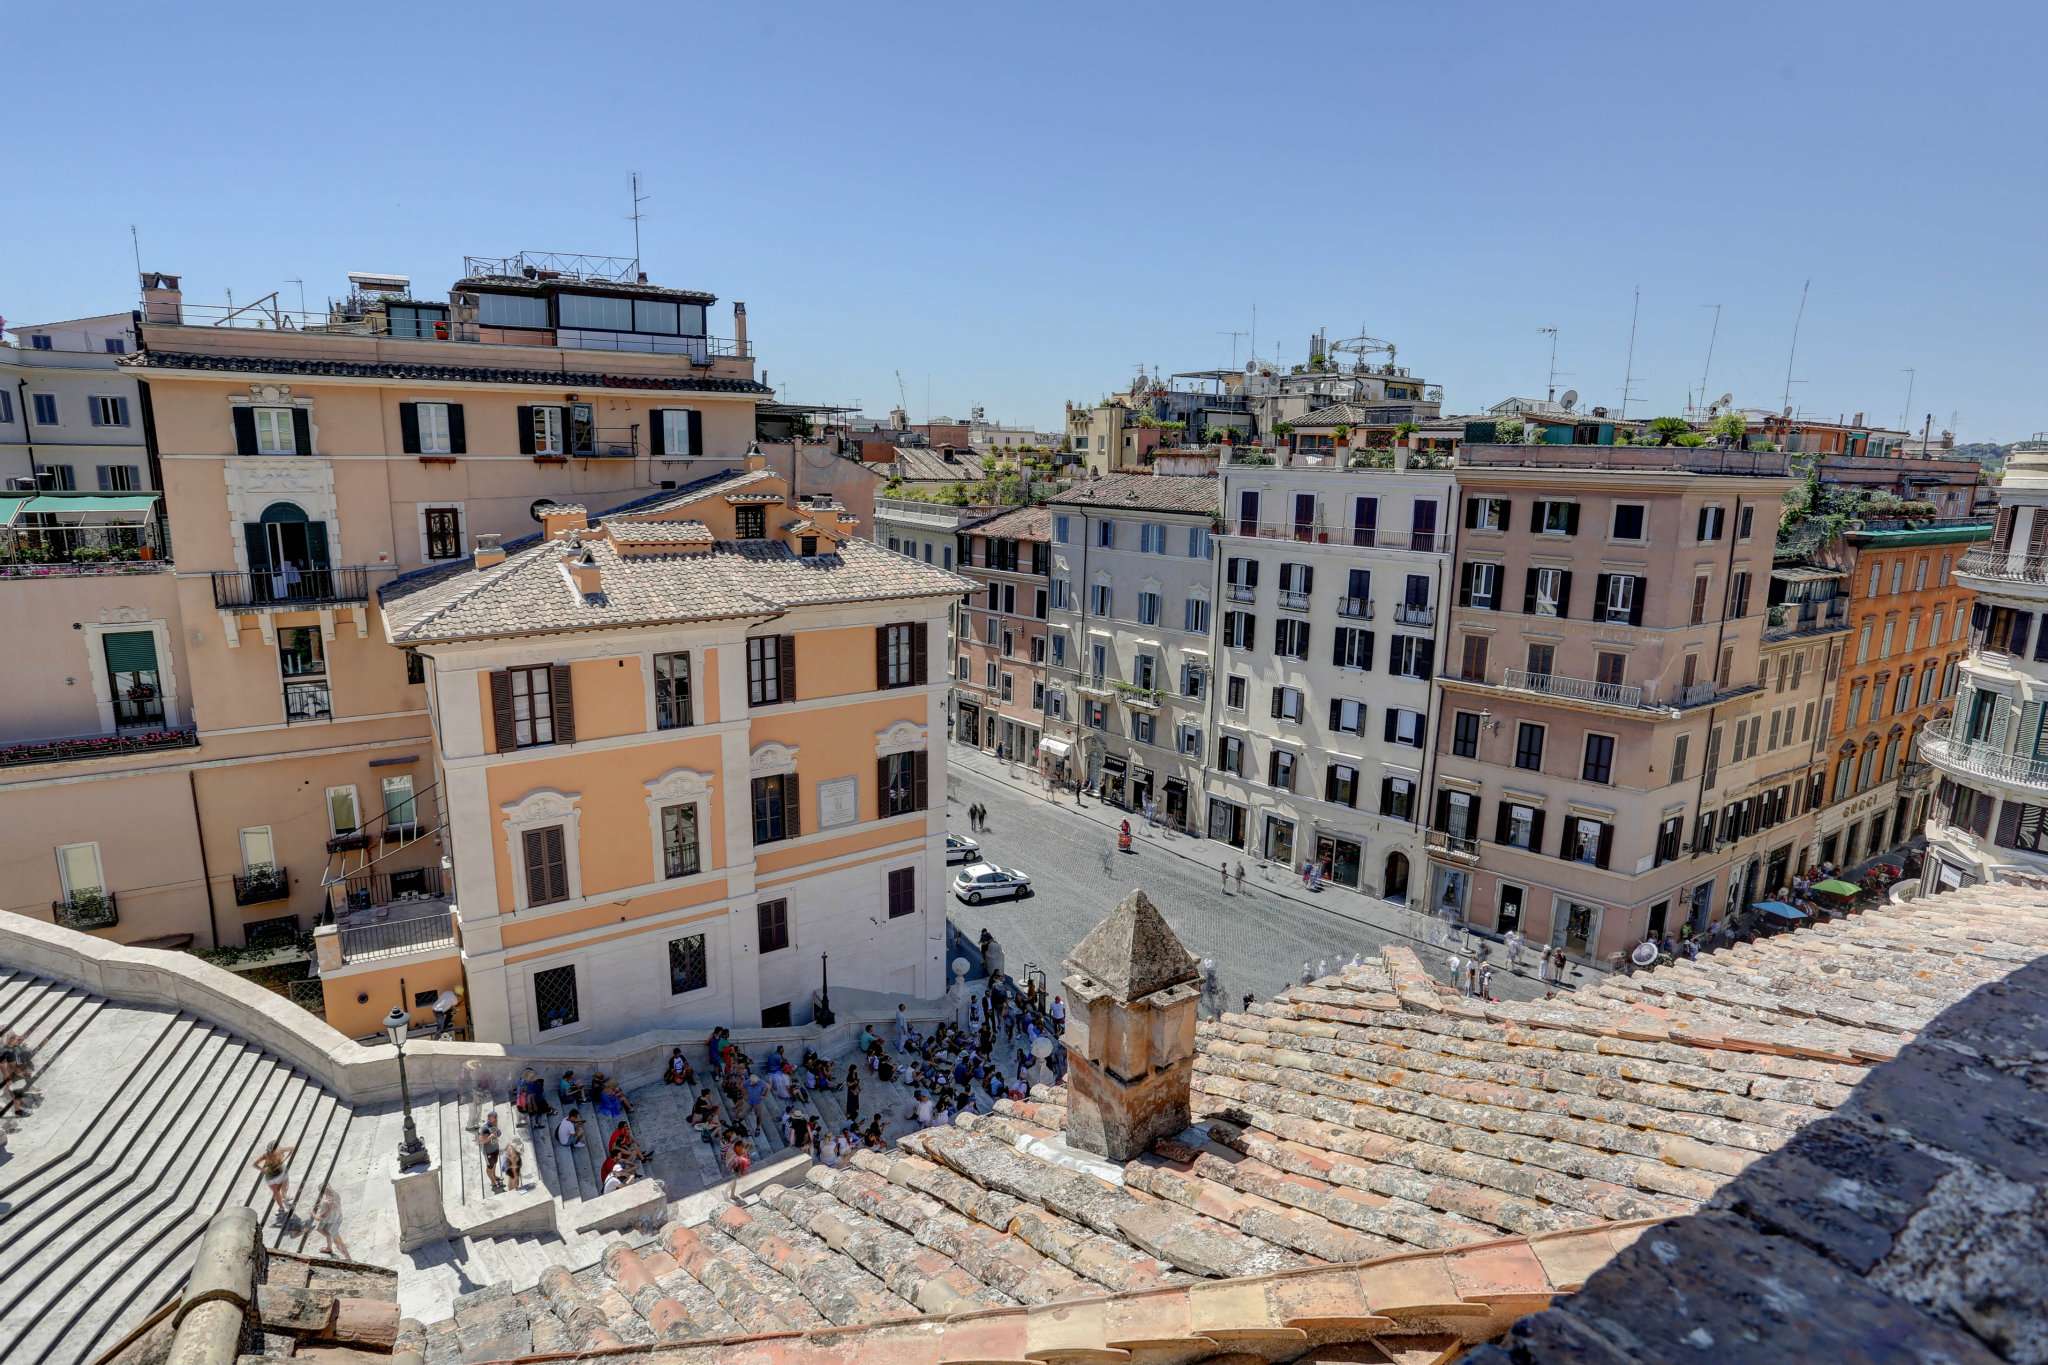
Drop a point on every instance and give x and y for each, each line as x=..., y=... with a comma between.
x=569, y=1132
x=924, y=1110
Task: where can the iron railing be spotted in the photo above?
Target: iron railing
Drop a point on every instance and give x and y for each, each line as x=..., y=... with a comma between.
x=86, y=910
x=1243, y=592
x=1989, y=561
x=1414, y=614
x=1939, y=744
x=1293, y=601
x=96, y=746
x=1355, y=608
x=1573, y=689
x=1453, y=845
x=290, y=588
x=51, y=551
x=394, y=938
x=1788, y=619
x=260, y=884
x=363, y=891
x=1331, y=533
x=308, y=994
x=308, y=699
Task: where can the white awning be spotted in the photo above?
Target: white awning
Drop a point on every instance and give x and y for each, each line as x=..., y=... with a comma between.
x=1058, y=748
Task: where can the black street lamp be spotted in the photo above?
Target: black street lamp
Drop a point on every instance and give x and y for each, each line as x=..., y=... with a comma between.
x=411, y=1151
x=824, y=1017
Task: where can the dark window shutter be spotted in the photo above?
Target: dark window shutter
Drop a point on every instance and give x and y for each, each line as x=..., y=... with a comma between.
x=1536, y=832
x=1307, y=584
x=1601, y=583
x=258, y=545
x=2022, y=622
x=1276, y=703
x=524, y=417
x=1280, y=636
x=1571, y=518
x=564, y=698
x=1537, y=514
x=1330, y=784
x=1389, y=715
x=1635, y=607
x=302, y=431
x=558, y=864
x=1507, y=515
x=881, y=787
x=785, y=654
x=657, y=433
x=1386, y=795
x=1500, y=823
x=1529, y=593
x=535, y=847
x=1980, y=613
x=696, y=424
x=881, y=657
x=1606, y=844
x=2009, y=824
x=504, y=730
x=458, y=434
x=245, y=431
x=792, y=805
x=1701, y=533
x=1426, y=656
x=316, y=544
x=1465, y=574
x=1443, y=809
x=1365, y=661
x=1471, y=512
x=1336, y=713
x=917, y=653
x=409, y=427
x=1564, y=594
x=920, y=778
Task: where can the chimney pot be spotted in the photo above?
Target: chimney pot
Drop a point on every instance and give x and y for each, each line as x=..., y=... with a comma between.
x=488, y=551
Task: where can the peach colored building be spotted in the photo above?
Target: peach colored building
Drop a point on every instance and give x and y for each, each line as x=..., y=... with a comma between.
x=999, y=650
x=686, y=757
x=1613, y=751
x=307, y=461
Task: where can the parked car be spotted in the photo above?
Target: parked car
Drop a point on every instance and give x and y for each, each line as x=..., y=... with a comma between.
x=978, y=882
x=961, y=849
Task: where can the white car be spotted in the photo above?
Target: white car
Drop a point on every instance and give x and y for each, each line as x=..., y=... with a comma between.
x=961, y=849
x=978, y=882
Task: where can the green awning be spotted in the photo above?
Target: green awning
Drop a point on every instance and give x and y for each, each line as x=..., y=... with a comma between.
x=130, y=651
x=121, y=506
x=1837, y=887
x=8, y=507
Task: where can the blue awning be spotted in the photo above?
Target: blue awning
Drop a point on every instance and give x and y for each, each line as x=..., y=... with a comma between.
x=1780, y=909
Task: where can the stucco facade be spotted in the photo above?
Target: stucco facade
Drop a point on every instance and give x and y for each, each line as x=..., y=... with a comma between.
x=70, y=416
x=1000, y=644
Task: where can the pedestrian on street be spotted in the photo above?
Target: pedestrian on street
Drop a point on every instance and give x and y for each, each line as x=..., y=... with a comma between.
x=327, y=1219
x=852, y=1094
x=1486, y=982
x=1223, y=870
x=489, y=1139
x=1240, y=879
x=272, y=1163
x=513, y=1161
x=1247, y=1002
x=1059, y=1016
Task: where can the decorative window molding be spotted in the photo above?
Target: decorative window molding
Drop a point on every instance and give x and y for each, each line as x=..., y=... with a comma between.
x=771, y=758
x=901, y=738
x=537, y=810
x=679, y=787
x=120, y=620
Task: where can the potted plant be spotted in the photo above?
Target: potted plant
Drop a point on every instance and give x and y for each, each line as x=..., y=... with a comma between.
x=1341, y=436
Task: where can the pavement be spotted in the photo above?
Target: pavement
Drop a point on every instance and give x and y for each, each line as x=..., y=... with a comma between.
x=1259, y=940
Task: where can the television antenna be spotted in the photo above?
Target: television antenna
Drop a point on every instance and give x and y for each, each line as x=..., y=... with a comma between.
x=1550, y=387
x=1629, y=376
x=1235, y=337
x=1906, y=413
x=1791, y=355
x=1712, y=336
x=636, y=216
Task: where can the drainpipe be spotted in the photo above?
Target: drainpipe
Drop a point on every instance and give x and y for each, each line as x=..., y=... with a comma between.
x=27, y=427
x=205, y=874
x=1720, y=637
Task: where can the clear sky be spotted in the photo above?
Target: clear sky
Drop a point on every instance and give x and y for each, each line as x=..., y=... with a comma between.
x=1016, y=204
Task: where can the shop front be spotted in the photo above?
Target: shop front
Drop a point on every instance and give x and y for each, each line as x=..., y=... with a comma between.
x=968, y=731
x=1111, y=782
x=1140, y=785
x=1340, y=857
x=1279, y=844
x=1226, y=822
x=1177, y=803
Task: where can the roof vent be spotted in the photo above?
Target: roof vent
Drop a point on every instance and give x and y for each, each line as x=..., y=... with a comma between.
x=488, y=551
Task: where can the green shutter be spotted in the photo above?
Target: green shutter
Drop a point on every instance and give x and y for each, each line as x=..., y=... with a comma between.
x=131, y=651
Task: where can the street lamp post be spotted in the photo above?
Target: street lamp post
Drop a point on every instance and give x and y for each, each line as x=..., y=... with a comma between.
x=411, y=1151
x=824, y=1019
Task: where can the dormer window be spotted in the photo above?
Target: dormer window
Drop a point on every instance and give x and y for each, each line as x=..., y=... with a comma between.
x=750, y=523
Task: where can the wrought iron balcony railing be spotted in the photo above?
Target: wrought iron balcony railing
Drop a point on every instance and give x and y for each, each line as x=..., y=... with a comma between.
x=86, y=910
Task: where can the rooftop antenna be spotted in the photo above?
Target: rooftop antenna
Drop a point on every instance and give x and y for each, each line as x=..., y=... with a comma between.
x=135, y=241
x=302, y=292
x=1906, y=413
x=1233, y=345
x=1794, y=352
x=1629, y=377
x=1712, y=337
x=1550, y=389
x=1255, y=329
x=636, y=216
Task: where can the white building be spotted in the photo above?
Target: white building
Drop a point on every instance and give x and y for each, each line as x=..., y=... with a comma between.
x=70, y=419
x=1990, y=814
x=1129, y=629
x=1332, y=581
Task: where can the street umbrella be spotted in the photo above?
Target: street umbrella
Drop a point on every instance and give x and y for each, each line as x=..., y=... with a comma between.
x=1779, y=909
x=1835, y=886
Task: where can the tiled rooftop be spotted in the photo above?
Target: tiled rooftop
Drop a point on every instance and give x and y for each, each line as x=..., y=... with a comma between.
x=928, y=464
x=1018, y=523
x=1378, y=1159
x=407, y=370
x=1145, y=492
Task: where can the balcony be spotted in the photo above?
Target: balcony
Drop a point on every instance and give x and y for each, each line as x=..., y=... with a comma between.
x=86, y=911
x=1293, y=601
x=287, y=589
x=1978, y=759
x=1242, y=592
x=1331, y=533
x=369, y=940
x=1462, y=847
x=1988, y=561
x=1788, y=620
x=1573, y=689
x=261, y=884
x=72, y=551
x=1355, y=608
x=307, y=699
x=96, y=746
x=1414, y=614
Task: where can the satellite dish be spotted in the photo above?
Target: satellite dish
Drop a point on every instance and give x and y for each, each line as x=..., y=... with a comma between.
x=1725, y=400
x=1644, y=953
x=1571, y=396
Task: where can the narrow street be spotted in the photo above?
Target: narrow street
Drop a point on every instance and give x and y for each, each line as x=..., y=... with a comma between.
x=1259, y=940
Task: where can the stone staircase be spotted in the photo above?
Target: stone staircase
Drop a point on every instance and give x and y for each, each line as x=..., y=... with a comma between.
x=146, y=1124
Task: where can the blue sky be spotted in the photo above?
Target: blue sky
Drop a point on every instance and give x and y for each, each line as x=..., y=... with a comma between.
x=1014, y=205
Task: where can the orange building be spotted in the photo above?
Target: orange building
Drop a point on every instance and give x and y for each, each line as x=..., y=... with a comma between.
x=999, y=652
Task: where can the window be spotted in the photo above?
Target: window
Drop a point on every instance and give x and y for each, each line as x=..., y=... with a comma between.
x=1745, y=521
x=1290, y=639
x=1920, y=574
x=78, y=866
x=1195, y=618
x=511, y=310
x=1148, y=608
x=1699, y=599
x=1529, y=746
x=1059, y=649
x=1151, y=538
x=41, y=342
x=1586, y=841
x=1188, y=740
x=1480, y=587
x=1541, y=659
x=1465, y=734
x=1287, y=704
x=1682, y=743
x=1549, y=592
x=1099, y=599
x=1397, y=798
x=1554, y=518
x=108, y=412
x=771, y=926
x=1472, y=661
x=1280, y=770
x=903, y=782
x=1062, y=594
x=119, y=478
x=6, y=406
x=1105, y=534
x=1237, y=629
x=1599, y=763
x=775, y=808
x=1711, y=523
x=681, y=855
x=1486, y=514
x=554, y=990
x=1608, y=667
x=1191, y=680
x=1408, y=656
x=1347, y=716
x=902, y=892
x=274, y=432
x=444, y=533
x=771, y=671
x=432, y=420
x=1519, y=826
x=1062, y=529
x=1009, y=686
x=1628, y=521
x=1230, y=755
x=688, y=969
x=672, y=691
x=1624, y=594
x=1898, y=574
x=45, y=405
x=1353, y=648
x=533, y=706
x=750, y=523
x=1234, y=689
x=1340, y=784
x=1199, y=546
x=545, y=852
x=399, y=811
x=1870, y=588
x=899, y=654
x=1143, y=726
x=1404, y=727
x=675, y=431
x=1296, y=582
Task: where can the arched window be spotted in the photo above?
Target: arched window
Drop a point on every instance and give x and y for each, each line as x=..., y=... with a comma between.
x=285, y=545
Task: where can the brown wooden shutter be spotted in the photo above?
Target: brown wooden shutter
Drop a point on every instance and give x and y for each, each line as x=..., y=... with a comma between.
x=558, y=863
x=785, y=653
x=882, y=788
x=881, y=657
x=409, y=427
x=536, y=849
x=920, y=780
x=2009, y=825
x=917, y=646
x=793, y=805
x=506, y=731
x=2037, y=533
x=564, y=697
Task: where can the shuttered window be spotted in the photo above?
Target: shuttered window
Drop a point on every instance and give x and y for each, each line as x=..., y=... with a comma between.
x=771, y=669
x=903, y=781
x=532, y=706
x=900, y=655
x=547, y=865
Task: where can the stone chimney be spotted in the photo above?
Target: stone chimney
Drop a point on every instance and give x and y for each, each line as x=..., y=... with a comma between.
x=563, y=518
x=756, y=461
x=739, y=328
x=488, y=551
x=589, y=579
x=162, y=298
x=1131, y=993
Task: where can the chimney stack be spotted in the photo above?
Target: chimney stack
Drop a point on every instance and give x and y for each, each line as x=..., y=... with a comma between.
x=589, y=579
x=739, y=328
x=1132, y=990
x=162, y=298
x=488, y=551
